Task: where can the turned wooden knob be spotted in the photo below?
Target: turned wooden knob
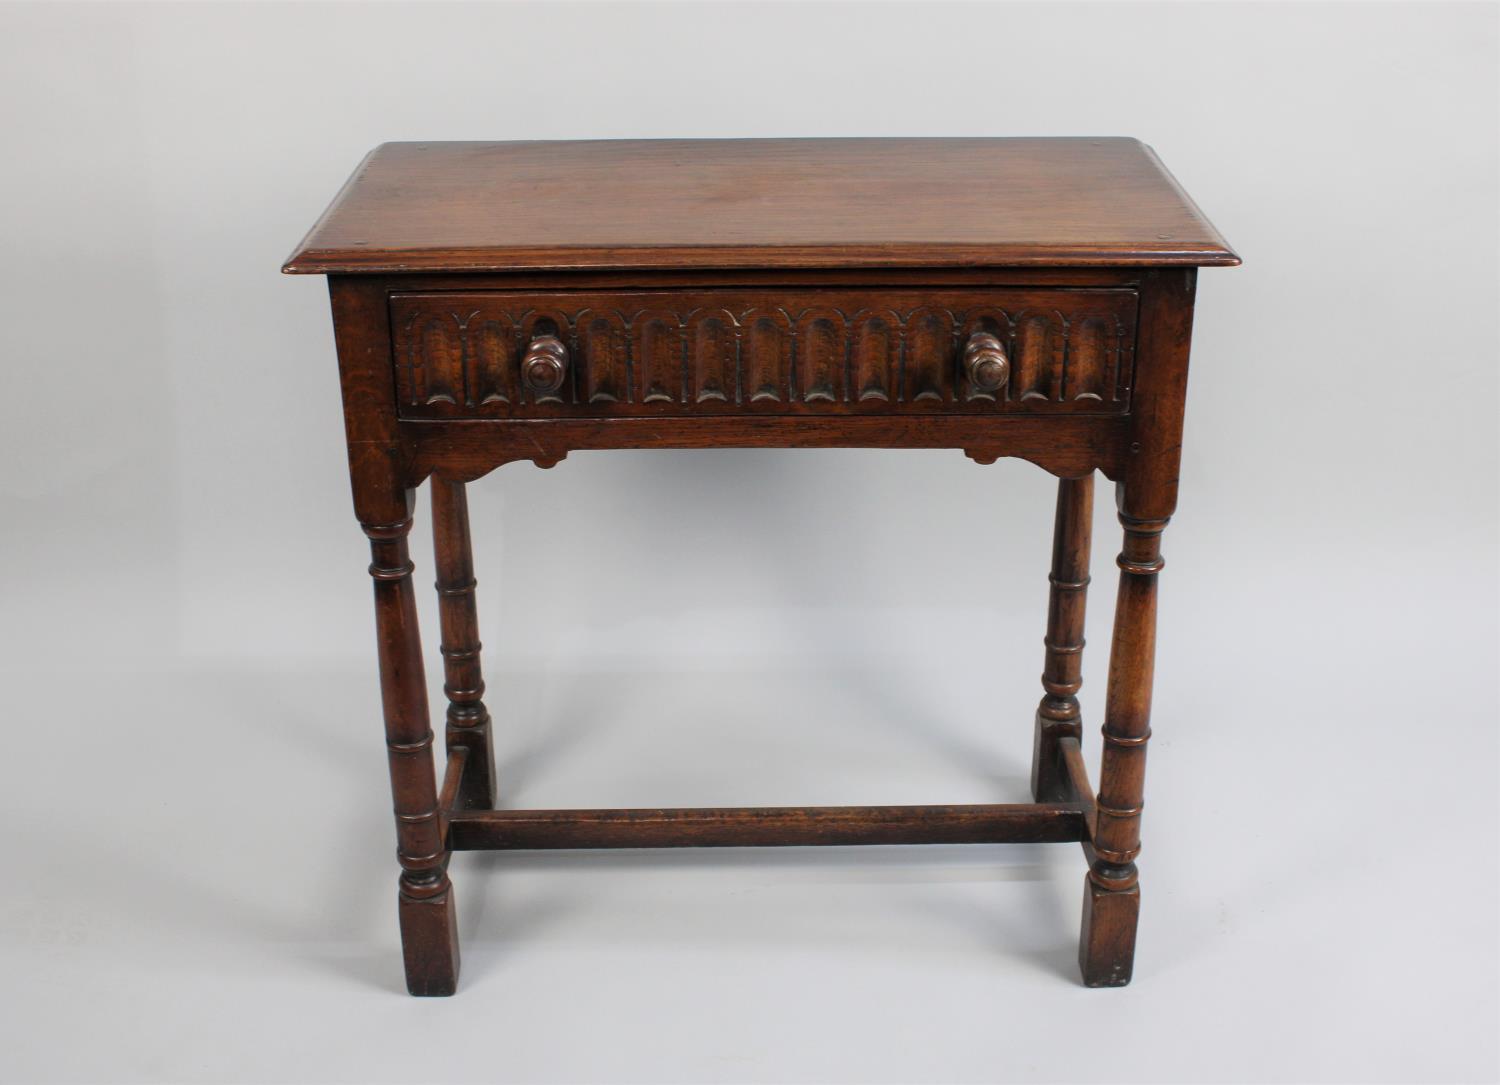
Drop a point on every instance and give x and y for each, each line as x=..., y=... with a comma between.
x=985, y=363
x=545, y=365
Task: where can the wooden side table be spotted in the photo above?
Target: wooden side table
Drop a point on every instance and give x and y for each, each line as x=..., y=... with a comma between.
x=495, y=302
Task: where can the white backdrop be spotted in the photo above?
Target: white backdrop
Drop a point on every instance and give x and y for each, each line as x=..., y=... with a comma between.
x=186, y=617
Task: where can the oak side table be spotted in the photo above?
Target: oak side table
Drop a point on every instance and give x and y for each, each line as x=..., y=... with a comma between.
x=495, y=302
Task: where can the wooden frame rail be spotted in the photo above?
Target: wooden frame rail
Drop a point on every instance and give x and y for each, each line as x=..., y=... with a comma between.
x=453, y=778
x=1078, y=782
x=768, y=826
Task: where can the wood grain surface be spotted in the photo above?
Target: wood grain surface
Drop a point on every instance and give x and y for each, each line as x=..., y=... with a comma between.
x=773, y=203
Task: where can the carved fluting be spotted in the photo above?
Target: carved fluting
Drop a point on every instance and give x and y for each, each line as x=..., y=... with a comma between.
x=928, y=364
x=877, y=356
x=1099, y=361
x=468, y=719
x=1038, y=357
x=603, y=357
x=1086, y=372
x=658, y=346
x=419, y=838
x=766, y=355
x=716, y=350
x=431, y=366
x=822, y=355
x=1127, y=713
x=1059, y=716
x=492, y=341
x=466, y=356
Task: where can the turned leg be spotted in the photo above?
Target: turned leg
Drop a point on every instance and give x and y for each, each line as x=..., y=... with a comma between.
x=1145, y=496
x=1062, y=675
x=1112, y=892
x=468, y=719
x=429, y=935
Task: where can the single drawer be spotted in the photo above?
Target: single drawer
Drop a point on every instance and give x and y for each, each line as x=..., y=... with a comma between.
x=788, y=351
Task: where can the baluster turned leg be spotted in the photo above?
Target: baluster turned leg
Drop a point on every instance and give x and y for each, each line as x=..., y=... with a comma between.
x=468, y=719
x=1112, y=892
x=1062, y=673
x=429, y=935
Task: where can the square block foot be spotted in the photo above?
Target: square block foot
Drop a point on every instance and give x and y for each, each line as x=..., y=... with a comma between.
x=429, y=943
x=1106, y=947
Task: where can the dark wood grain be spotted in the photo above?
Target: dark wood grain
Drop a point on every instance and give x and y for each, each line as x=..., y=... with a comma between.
x=468, y=718
x=1059, y=715
x=496, y=303
x=1076, y=787
x=1065, y=446
x=744, y=827
x=453, y=779
x=700, y=352
x=1146, y=498
x=987, y=368
x=759, y=203
x=383, y=505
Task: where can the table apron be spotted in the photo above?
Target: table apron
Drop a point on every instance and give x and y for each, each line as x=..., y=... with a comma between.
x=1069, y=447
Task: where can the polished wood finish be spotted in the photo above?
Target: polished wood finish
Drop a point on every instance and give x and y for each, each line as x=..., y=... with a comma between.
x=425, y=897
x=1063, y=446
x=769, y=826
x=1059, y=716
x=383, y=504
x=544, y=368
x=769, y=351
x=987, y=366
x=1146, y=498
x=449, y=798
x=1077, y=787
x=774, y=203
x=468, y=719
x=1002, y=298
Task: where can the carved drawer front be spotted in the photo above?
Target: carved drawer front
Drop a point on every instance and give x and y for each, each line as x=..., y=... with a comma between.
x=797, y=350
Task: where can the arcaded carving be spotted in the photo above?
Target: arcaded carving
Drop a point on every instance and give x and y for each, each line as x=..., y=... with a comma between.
x=473, y=355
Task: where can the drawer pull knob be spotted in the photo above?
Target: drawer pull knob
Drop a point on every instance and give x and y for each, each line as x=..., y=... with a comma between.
x=985, y=363
x=545, y=365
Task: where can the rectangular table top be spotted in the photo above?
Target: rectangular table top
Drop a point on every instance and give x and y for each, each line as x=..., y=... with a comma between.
x=759, y=203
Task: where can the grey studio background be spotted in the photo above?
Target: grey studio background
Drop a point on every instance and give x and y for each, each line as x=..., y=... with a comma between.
x=199, y=853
